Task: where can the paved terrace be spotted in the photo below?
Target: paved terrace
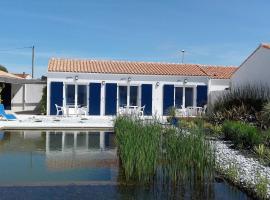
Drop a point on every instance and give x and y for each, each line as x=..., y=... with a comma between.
x=54, y=122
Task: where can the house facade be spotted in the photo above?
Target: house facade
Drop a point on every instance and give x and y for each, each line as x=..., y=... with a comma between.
x=105, y=86
x=255, y=69
x=20, y=92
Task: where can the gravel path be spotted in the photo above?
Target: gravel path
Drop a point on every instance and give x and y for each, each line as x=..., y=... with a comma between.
x=249, y=170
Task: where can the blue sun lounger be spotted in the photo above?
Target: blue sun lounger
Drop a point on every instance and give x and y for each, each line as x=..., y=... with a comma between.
x=5, y=115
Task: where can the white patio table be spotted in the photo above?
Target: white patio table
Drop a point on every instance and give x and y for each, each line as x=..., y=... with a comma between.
x=131, y=110
x=194, y=111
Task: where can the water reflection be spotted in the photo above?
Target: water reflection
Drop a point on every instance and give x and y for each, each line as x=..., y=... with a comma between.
x=80, y=149
x=57, y=156
x=86, y=156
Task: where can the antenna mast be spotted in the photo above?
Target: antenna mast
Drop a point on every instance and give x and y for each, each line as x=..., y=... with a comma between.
x=183, y=55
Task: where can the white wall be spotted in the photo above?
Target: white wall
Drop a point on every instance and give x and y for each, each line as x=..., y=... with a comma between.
x=157, y=104
x=255, y=70
x=25, y=98
x=219, y=84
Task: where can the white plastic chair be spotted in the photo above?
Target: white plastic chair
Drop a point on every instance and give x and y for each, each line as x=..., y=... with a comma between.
x=141, y=111
x=121, y=111
x=59, y=110
x=82, y=110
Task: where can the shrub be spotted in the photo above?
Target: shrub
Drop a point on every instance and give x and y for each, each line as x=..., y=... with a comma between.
x=266, y=115
x=260, y=150
x=43, y=102
x=261, y=186
x=232, y=173
x=243, y=103
x=241, y=134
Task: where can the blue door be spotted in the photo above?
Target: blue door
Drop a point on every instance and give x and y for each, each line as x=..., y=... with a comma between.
x=56, y=96
x=168, y=98
x=146, y=99
x=94, y=98
x=110, y=99
x=202, y=95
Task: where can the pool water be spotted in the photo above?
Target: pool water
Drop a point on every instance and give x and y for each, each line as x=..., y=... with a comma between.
x=80, y=164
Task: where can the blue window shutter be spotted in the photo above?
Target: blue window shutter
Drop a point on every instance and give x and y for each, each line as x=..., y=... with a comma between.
x=202, y=95
x=110, y=99
x=56, y=96
x=94, y=98
x=168, y=98
x=147, y=98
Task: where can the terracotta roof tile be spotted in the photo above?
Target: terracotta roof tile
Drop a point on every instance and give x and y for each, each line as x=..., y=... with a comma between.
x=8, y=75
x=217, y=72
x=143, y=68
x=22, y=75
x=267, y=46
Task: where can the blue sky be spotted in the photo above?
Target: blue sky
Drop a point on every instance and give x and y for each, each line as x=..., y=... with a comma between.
x=211, y=31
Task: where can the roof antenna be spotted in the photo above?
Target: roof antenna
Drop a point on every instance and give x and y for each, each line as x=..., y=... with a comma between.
x=183, y=55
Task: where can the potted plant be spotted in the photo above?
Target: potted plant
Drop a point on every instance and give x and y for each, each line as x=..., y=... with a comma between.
x=172, y=116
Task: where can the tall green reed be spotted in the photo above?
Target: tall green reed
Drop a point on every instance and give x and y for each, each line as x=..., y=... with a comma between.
x=150, y=151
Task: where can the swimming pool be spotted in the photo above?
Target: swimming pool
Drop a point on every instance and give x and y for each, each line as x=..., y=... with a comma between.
x=75, y=164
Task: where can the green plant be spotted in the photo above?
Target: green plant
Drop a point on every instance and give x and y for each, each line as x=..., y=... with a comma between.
x=148, y=150
x=260, y=150
x=43, y=102
x=261, y=186
x=171, y=111
x=241, y=134
x=171, y=114
x=232, y=173
x=244, y=103
x=138, y=146
x=266, y=115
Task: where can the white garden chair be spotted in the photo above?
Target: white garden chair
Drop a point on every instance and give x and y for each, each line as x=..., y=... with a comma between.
x=141, y=111
x=59, y=109
x=82, y=110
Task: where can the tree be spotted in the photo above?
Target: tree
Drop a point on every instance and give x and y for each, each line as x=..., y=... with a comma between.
x=2, y=68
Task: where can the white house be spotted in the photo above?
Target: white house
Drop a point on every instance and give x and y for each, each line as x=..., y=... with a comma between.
x=105, y=86
x=255, y=70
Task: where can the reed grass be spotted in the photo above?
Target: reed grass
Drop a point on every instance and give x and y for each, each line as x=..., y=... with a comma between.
x=150, y=151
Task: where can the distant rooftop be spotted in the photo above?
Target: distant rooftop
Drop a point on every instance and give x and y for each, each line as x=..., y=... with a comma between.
x=23, y=75
x=8, y=75
x=142, y=68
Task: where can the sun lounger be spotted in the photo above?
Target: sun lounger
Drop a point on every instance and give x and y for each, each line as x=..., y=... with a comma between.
x=6, y=116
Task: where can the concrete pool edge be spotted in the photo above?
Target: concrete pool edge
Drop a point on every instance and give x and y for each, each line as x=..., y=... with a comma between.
x=33, y=122
x=56, y=128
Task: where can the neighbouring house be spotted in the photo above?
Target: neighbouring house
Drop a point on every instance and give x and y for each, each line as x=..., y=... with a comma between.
x=105, y=86
x=24, y=75
x=20, y=92
x=255, y=69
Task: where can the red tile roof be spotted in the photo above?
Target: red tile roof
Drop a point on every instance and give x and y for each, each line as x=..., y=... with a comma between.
x=126, y=67
x=267, y=46
x=8, y=75
x=217, y=72
x=22, y=75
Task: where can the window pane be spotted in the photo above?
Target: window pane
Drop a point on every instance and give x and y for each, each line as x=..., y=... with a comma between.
x=189, y=97
x=178, y=97
x=70, y=94
x=82, y=95
x=122, y=96
x=133, y=101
